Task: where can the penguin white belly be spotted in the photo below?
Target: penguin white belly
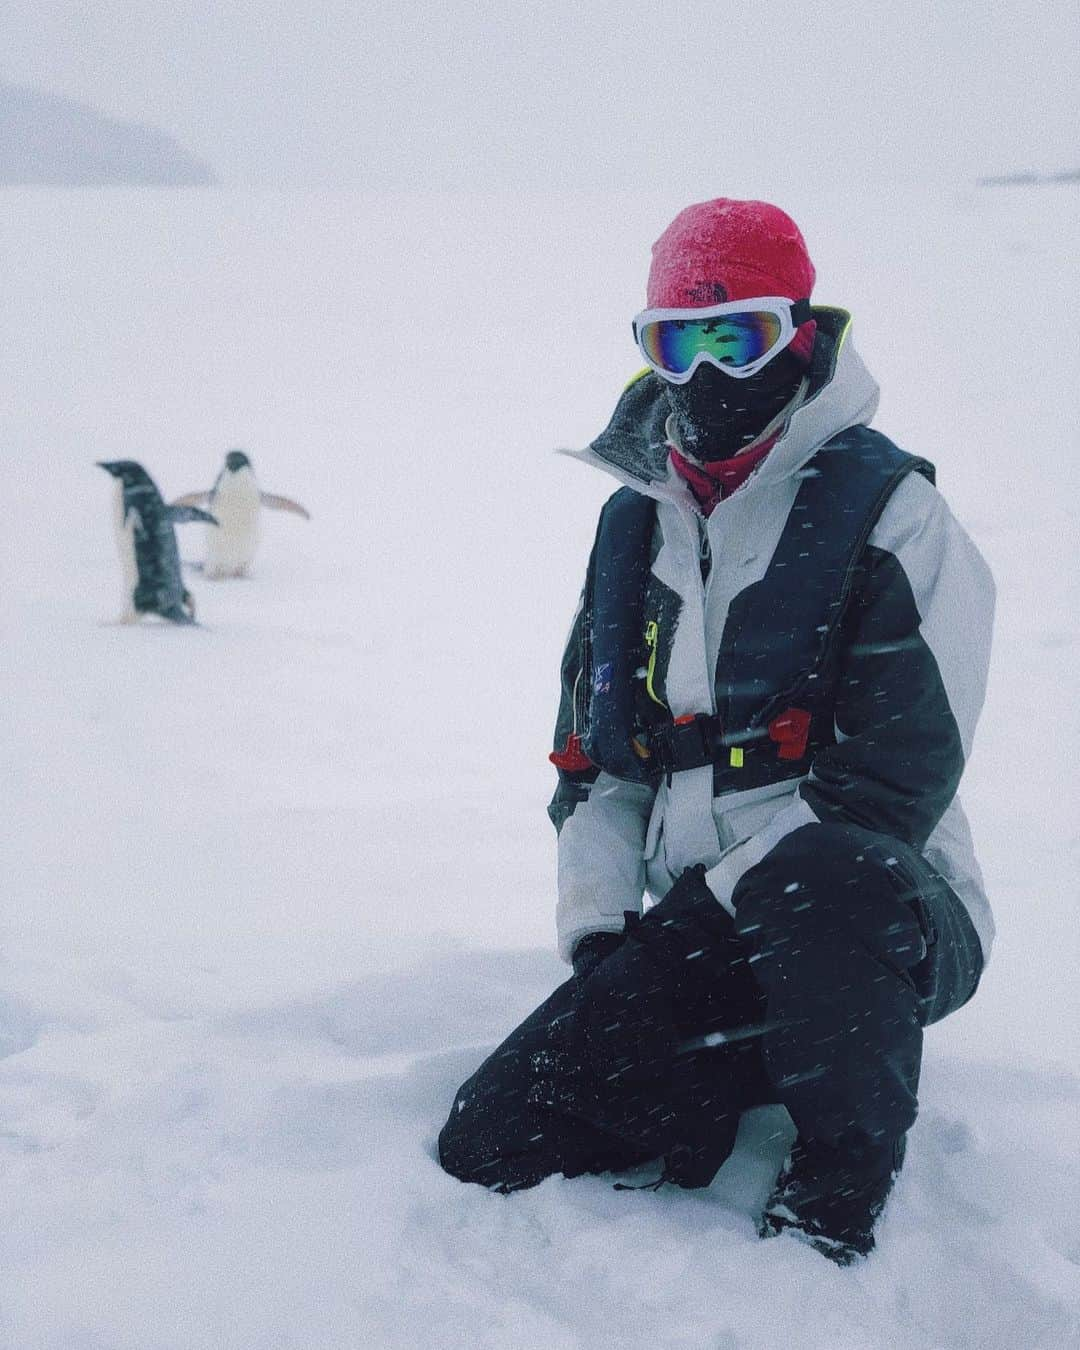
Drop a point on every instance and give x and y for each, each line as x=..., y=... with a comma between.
x=231, y=544
x=125, y=547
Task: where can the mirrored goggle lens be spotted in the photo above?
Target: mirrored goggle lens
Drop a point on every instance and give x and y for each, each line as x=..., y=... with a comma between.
x=731, y=340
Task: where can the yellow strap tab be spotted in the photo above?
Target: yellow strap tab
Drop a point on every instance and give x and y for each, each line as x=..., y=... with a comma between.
x=652, y=637
x=736, y=757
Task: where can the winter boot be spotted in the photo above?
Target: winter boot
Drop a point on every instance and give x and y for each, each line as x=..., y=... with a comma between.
x=831, y=1197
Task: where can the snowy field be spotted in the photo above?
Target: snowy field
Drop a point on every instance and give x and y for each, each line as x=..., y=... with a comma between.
x=273, y=885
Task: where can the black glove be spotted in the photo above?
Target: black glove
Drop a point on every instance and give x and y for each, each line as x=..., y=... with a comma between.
x=688, y=921
x=671, y=978
x=631, y=993
x=690, y=935
x=677, y=974
x=592, y=949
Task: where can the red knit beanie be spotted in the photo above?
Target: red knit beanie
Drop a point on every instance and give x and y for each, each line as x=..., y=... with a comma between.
x=732, y=250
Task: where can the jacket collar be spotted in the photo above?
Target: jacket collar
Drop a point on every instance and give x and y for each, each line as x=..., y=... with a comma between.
x=840, y=393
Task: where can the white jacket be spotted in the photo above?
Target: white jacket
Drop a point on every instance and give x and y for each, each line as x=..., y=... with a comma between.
x=620, y=839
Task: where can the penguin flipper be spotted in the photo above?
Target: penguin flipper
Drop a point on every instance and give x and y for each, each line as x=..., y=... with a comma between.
x=277, y=503
x=179, y=514
x=192, y=499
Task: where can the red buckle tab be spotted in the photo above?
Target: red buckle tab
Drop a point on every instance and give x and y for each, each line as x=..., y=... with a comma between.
x=791, y=730
x=571, y=759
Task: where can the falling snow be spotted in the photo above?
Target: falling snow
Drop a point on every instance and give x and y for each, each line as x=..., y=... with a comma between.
x=275, y=886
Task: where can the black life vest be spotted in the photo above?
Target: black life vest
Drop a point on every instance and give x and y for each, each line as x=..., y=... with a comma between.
x=775, y=668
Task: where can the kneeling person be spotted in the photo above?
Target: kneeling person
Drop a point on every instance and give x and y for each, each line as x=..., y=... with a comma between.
x=769, y=695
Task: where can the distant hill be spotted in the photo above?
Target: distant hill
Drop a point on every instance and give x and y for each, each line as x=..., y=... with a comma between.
x=52, y=141
x=1027, y=179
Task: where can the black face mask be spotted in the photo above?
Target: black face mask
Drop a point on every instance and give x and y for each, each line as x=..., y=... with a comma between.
x=717, y=416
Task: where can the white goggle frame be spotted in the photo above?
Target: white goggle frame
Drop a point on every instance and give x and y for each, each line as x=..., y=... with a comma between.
x=792, y=314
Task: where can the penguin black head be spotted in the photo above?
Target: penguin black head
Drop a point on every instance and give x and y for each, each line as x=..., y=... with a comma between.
x=236, y=460
x=130, y=473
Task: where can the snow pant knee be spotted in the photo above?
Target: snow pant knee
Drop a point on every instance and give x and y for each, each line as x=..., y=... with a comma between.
x=614, y=1070
x=527, y=1112
x=836, y=921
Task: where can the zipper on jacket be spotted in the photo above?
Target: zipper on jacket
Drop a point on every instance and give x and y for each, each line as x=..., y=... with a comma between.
x=652, y=641
x=698, y=528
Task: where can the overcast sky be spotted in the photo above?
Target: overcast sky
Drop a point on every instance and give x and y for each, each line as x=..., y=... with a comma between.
x=613, y=94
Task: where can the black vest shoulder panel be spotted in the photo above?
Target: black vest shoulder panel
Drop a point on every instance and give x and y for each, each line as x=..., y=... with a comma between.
x=611, y=630
x=779, y=630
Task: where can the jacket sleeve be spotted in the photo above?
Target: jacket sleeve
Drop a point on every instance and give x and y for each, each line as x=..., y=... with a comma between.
x=601, y=823
x=915, y=648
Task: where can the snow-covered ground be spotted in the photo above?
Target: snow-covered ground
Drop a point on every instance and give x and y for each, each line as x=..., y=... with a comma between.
x=273, y=885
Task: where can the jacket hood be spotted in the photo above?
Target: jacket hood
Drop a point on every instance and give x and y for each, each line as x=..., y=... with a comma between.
x=840, y=393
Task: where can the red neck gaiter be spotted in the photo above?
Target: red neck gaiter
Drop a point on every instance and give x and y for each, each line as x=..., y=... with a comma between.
x=712, y=482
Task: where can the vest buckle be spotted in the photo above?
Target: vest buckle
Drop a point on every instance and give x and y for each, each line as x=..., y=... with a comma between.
x=689, y=742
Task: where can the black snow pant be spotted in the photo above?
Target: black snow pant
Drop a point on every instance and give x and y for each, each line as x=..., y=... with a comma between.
x=844, y=946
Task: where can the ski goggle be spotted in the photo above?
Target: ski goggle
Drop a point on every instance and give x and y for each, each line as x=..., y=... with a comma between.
x=738, y=337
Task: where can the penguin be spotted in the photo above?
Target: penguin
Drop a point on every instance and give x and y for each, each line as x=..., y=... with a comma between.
x=236, y=502
x=146, y=541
